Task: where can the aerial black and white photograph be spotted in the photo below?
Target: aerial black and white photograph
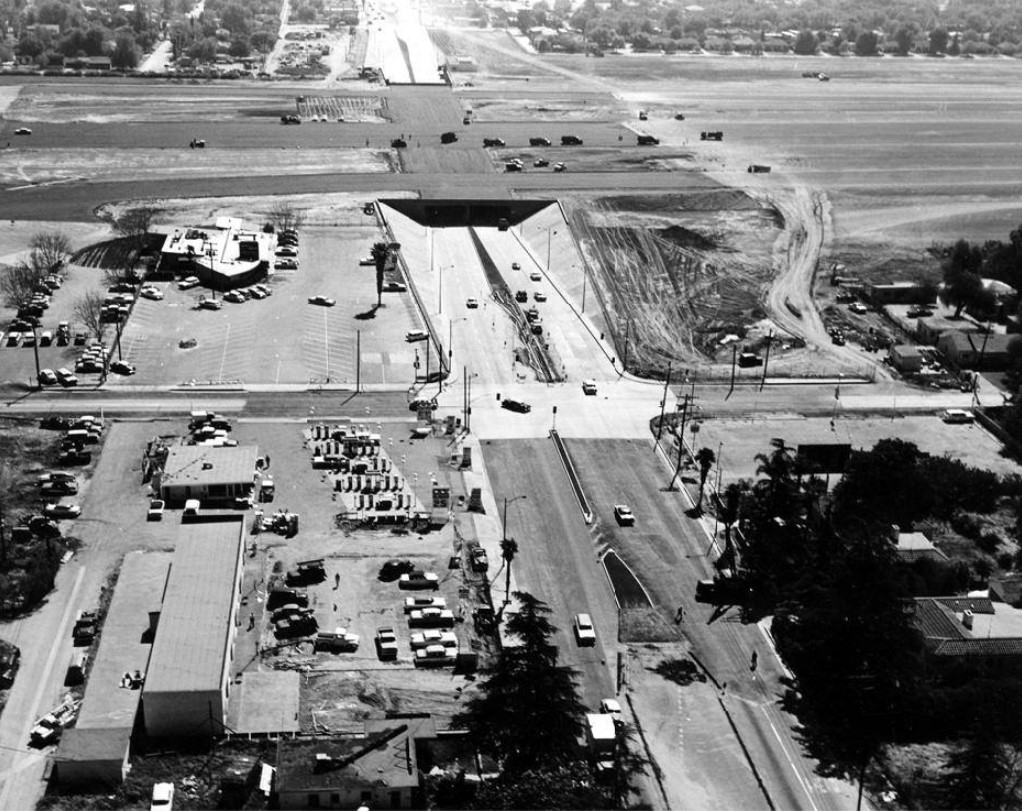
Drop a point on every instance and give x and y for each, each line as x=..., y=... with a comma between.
x=510, y=404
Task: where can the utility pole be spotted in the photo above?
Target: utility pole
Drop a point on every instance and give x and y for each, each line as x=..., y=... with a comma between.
x=681, y=442
x=35, y=349
x=358, y=361
x=734, y=360
x=464, y=396
x=766, y=360
x=663, y=402
x=585, y=278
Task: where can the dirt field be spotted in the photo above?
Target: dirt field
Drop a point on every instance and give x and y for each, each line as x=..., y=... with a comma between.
x=676, y=273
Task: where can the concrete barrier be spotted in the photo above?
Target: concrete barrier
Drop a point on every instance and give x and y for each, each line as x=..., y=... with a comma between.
x=576, y=485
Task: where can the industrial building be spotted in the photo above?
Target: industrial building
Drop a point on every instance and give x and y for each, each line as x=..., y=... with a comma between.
x=96, y=750
x=223, y=257
x=187, y=684
x=210, y=474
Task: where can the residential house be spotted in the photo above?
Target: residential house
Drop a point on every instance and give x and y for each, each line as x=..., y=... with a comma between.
x=901, y=293
x=970, y=630
x=973, y=350
x=906, y=357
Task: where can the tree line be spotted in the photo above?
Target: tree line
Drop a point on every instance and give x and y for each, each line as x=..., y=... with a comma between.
x=824, y=566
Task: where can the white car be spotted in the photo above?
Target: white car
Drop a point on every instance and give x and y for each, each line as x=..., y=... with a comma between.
x=536, y=276
x=434, y=656
x=23, y=131
x=155, y=511
x=416, y=335
x=416, y=603
x=62, y=510
x=286, y=251
x=589, y=387
x=858, y=307
x=539, y=295
x=188, y=283
x=957, y=415
x=611, y=706
x=585, y=633
x=623, y=514
x=153, y=293
x=431, y=618
x=163, y=797
x=47, y=377
x=433, y=636
x=418, y=580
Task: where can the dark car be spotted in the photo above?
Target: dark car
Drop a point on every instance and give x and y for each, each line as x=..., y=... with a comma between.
x=515, y=405
x=398, y=143
x=393, y=569
x=448, y=137
x=648, y=140
x=493, y=142
x=521, y=296
x=415, y=405
x=56, y=423
x=571, y=140
x=539, y=142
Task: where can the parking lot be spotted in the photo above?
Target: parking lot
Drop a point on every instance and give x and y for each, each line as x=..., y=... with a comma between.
x=282, y=338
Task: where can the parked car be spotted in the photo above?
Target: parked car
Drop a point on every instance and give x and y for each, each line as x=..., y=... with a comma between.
x=539, y=295
x=515, y=405
x=431, y=618
x=265, y=288
x=623, y=515
x=415, y=405
x=62, y=510
x=286, y=251
x=585, y=633
x=386, y=644
x=155, y=511
x=418, y=580
x=211, y=304
x=235, y=297
x=121, y=367
x=435, y=656
x=536, y=276
x=416, y=335
x=188, y=283
x=611, y=706
x=56, y=476
x=395, y=287
x=957, y=415
x=286, y=264
x=858, y=307
x=433, y=636
x=589, y=387
x=66, y=378
x=417, y=603
x=153, y=293
x=472, y=303
x=163, y=797
x=47, y=377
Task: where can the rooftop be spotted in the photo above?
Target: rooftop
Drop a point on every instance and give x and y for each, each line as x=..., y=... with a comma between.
x=219, y=247
x=990, y=342
x=94, y=744
x=913, y=545
x=980, y=647
x=106, y=704
x=196, y=465
x=385, y=757
x=194, y=625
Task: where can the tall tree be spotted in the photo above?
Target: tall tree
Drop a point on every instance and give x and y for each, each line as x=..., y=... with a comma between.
x=985, y=772
x=729, y=510
x=18, y=282
x=508, y=550
x=884, y=485
x=904, y=38
x=52, y=248
x=938, y=41
x=88, y=309
x=805, y=43
x=284, y=216
x=380, y=254
x=867, y=44
x=527, y=714
x=705, y=457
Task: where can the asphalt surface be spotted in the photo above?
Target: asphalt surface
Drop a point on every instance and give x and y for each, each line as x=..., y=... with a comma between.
x=669, y=552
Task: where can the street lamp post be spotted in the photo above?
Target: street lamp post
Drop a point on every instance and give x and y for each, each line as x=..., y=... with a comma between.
x=506, y=502
x=549, y=233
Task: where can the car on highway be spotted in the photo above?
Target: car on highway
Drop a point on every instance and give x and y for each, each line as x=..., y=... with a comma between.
x=155, y=511
x=211, y=304
x=395, y=287
x=539, y=142
x=536, y=276
x=919, y=312
x=153, y=293
x=235, y=297
x=47, y=377
x=515, y=266
x=188, y=283
x=585, y=633
x=322, y=301
x=539, y=163
x=488, y=142
x=286, y=264
x=62, y=511
x=414, y=335
x=23, y=131
x=623, y=515
x=472, y=304
x=448, y=137
x=398, y=143
x=515, y=405
x=539, y=295
x=589, y=387
x=957, y=416
x=560, y=167
x=858, y=307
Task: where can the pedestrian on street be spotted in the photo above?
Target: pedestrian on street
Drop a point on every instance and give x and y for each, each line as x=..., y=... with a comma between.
x=679, y=616
x=754, y=662
x=723, y=689
x=337, y=581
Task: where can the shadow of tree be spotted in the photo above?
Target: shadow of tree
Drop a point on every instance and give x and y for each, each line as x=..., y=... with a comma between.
x=679, y=671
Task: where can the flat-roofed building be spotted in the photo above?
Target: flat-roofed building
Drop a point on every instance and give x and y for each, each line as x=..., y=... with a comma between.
x=96, y=750
x=224, y=256
x=207, y=473
x=187, y=683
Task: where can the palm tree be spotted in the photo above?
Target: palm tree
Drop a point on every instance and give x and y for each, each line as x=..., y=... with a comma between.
x=508, y=550
x=705, y=457
x=729, y=515
x=379, y=253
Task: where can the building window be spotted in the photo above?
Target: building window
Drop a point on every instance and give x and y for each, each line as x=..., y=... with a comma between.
x=395, y=799
x=335, y=799
x=367, y=797
x=313, y=801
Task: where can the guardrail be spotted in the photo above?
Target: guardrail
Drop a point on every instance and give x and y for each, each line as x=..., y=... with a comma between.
x=576, y=485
